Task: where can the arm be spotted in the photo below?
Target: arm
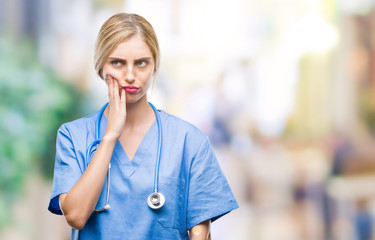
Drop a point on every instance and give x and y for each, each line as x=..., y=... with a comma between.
x=78, y=204
x=201, y=231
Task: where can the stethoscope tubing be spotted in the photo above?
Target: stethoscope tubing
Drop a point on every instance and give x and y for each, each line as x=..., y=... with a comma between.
x=158, y=121
x=97, y=141
x=97, y=134
x=97, y=123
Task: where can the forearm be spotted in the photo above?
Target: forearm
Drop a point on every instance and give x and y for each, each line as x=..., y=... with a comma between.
x=79, y=203
x=200, y=231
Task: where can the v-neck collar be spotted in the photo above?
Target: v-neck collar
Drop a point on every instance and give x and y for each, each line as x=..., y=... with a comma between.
x=129, y=167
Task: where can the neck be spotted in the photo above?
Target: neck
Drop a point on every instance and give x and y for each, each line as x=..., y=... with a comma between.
x=138, y=113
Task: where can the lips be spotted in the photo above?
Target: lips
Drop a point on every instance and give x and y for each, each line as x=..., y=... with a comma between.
x=131, y=89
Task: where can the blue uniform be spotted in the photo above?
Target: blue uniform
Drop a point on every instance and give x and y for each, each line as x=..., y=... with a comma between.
x=190, y=178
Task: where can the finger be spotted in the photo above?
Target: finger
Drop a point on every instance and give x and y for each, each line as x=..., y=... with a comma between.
x=116, y=96
x=110, y=88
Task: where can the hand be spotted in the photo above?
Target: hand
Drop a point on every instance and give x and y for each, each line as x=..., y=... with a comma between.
x=116, y=110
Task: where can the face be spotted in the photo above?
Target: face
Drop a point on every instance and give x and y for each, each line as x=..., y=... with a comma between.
x=132, y=65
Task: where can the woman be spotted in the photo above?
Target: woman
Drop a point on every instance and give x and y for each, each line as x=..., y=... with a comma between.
x=104, y=192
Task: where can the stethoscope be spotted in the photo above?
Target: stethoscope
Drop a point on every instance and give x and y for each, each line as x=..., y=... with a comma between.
x=155, y=200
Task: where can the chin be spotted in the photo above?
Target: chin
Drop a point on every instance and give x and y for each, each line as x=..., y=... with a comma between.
x=132, y=100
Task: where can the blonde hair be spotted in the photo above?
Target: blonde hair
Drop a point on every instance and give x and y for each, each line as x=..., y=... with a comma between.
x=121, y=27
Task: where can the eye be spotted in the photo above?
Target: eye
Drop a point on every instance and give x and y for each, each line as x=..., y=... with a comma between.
x=116, y=63
x=142, y=63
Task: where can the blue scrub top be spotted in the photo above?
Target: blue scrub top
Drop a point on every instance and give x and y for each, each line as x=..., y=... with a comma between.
x=190, y=178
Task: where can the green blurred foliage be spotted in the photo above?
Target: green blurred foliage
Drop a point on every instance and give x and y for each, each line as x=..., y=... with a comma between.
x=34, y=102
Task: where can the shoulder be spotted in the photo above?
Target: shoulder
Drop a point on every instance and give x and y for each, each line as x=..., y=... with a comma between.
x=179, y=128
x=78, y=125
x=170, y=120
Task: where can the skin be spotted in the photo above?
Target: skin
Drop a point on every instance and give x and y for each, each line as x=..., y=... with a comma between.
x=129, y=118
x=201, y=231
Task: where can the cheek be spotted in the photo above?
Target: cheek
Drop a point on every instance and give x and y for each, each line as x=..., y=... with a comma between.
x=147, y=76
x=107, y=70
x=147, y=80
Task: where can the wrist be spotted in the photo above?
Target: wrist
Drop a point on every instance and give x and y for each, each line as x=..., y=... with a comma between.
x=109, y=138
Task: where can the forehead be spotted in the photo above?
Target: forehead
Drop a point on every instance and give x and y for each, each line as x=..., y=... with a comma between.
x=134, y=47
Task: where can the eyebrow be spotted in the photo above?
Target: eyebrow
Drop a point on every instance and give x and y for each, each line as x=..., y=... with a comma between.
x=138, y=59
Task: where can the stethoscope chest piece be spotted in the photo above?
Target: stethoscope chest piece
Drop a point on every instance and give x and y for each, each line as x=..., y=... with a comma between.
x=156, y=200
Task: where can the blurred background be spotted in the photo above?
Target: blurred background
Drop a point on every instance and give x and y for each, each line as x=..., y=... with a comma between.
x=285, y=89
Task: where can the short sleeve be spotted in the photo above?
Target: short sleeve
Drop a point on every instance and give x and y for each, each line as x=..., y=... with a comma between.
x=67, y=170
x=210, y=196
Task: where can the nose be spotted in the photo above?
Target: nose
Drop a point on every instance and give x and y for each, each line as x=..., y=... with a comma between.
x=129, y=75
